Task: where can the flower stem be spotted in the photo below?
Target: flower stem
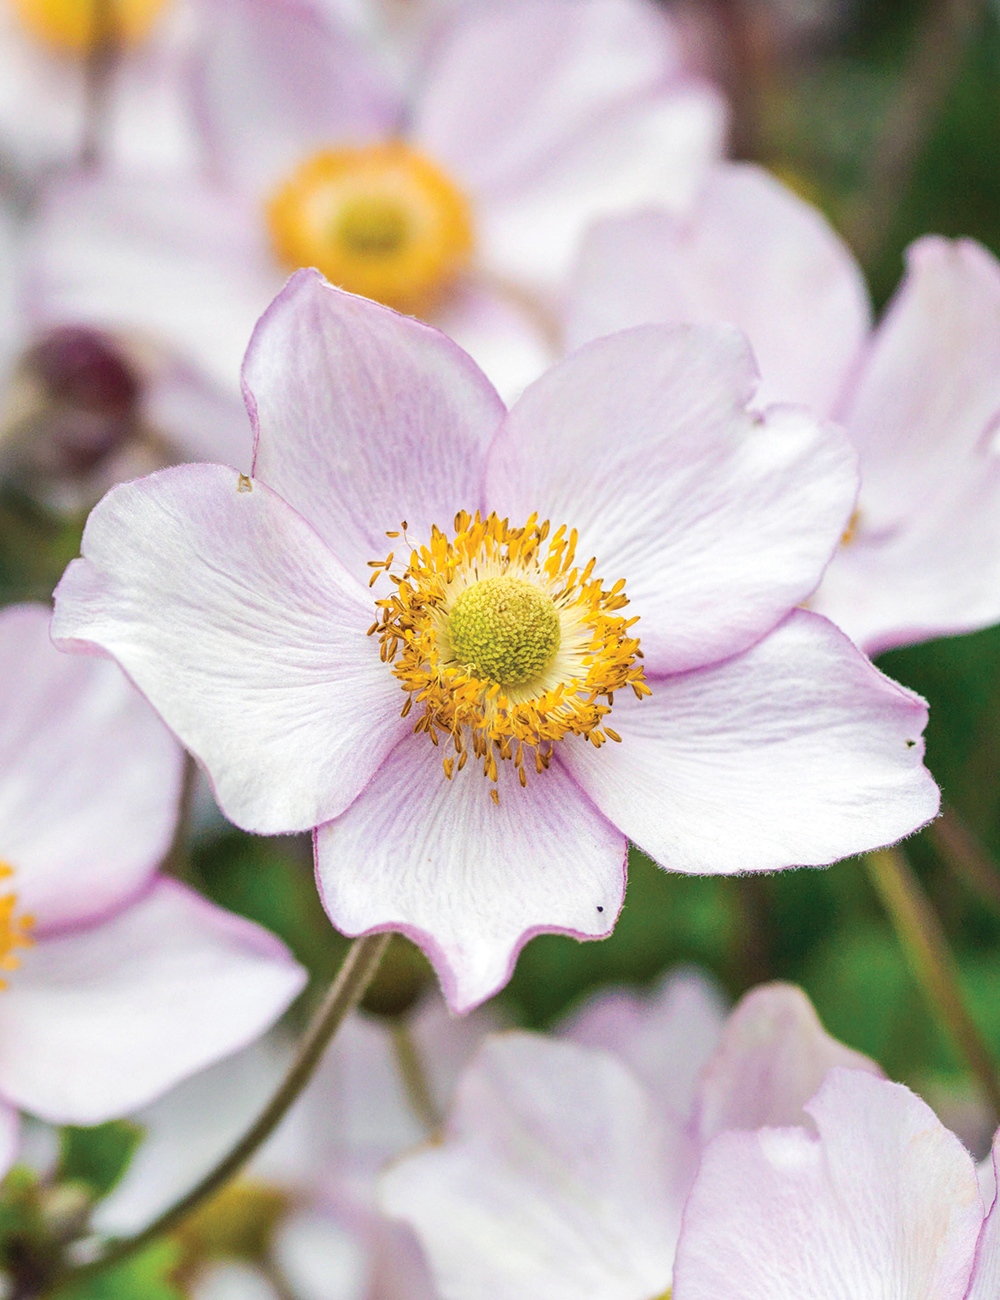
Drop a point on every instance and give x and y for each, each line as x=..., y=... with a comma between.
x=345, y=992
x=926, y=948
x=414, y=1077
x=958, y=847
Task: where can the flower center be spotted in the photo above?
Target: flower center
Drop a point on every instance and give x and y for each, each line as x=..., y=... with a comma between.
x=506, y=642
x=78, y=25
x=504, y=629
x=381, y=221
x=13, y=929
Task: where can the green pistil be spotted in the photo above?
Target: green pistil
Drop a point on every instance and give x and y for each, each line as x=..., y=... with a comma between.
x=505, y=629
x=372, y=226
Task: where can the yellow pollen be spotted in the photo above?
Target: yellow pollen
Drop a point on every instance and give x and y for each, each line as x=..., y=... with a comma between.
x=381, y=221
x=851, y=531
x=13, y=929
x=76, y=25
x=504, y=629
x=507, y=643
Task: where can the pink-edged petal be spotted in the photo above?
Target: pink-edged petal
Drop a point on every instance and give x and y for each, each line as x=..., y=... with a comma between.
x=985, y=1284
x=655, y=151
x=365, y=418
x=936, y=574
x=245, y=634
x=279, y=80
x=926, y=403
x=719, y=519
x=883, y=1204
x=508, y=341
x=90, y=778
x=771, y=1059
x=750, y=252
x=796, y=753
x=176, y=261
x=468, y=880
x=98, y=1022
x=665, y=1038
x=510, y=83
x=555, y=1180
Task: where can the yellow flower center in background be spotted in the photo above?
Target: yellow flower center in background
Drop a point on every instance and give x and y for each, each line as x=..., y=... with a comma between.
x=76, y=25
x=381, y=221
x=13, y=929
x=506, y=642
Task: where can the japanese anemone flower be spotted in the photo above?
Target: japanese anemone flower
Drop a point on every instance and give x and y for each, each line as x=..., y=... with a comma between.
x=462, y=201
x=117, y=982
x=475, y=744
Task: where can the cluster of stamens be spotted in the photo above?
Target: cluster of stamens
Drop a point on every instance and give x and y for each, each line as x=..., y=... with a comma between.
x=13, y=929
x=507, y=643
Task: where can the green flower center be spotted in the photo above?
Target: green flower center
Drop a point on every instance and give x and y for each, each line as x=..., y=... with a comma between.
x=504, y=629
x=372, y=226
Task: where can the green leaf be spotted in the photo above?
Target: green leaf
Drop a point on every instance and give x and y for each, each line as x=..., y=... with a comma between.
x=97, y=1156
x=146, y=1276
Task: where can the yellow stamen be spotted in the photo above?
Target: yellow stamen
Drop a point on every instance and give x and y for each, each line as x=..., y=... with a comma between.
x=75, y=25
x=13, y=929
x=507, y=643
x=851, y=531
x=381, y=221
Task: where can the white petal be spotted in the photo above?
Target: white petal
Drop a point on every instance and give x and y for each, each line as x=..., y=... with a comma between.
x=555, y=1180
x=719, y=519
x=468, y=880
x=245, y=633
x=99, y=1022
x=798, y=752
x=90, y=778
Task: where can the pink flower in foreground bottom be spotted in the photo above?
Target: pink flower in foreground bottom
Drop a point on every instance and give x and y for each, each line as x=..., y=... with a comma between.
x=121, y=983
x=561, y=1175
x=880, y=1201
x=242, y=609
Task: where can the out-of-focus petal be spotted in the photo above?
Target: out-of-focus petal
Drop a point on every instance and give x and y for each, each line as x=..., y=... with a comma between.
x=555, y=1180
x=10, y=1133
x=510, y=83
x=245, y=634
x=937, y=574
x=200, y=421
x=927, y=399
x=41, y=99
x=230, y=1280
x=90, y=777
x=99, y=1022
x=798, y=752
x=278, y=80
x=719, y=520
x=470, y=881
x=884, y=1203
x=321, y=1259
x=654, y=152
x=365, y=418
x=771, y=1059
x=189, y=1130
x=175, y=262
x=665, y=1038
x=985, y=1283
x=751, y=253
x=503, y=336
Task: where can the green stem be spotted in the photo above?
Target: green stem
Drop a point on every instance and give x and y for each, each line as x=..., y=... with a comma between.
x=926, y=947
x=965, y=856
x=414, y=1077
x=345, y=992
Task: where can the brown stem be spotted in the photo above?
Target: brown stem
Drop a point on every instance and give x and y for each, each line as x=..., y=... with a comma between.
x=926, y=948
x=962, y=852
x=414, y=1077
x=345, y=992
x=98, y=70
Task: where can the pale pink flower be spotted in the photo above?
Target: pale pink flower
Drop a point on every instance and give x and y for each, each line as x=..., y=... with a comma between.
x=560, y=1176
x=131, y=981
x=241, y=609
x=919, y=397
x=529, y=119
x=875, y=1198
